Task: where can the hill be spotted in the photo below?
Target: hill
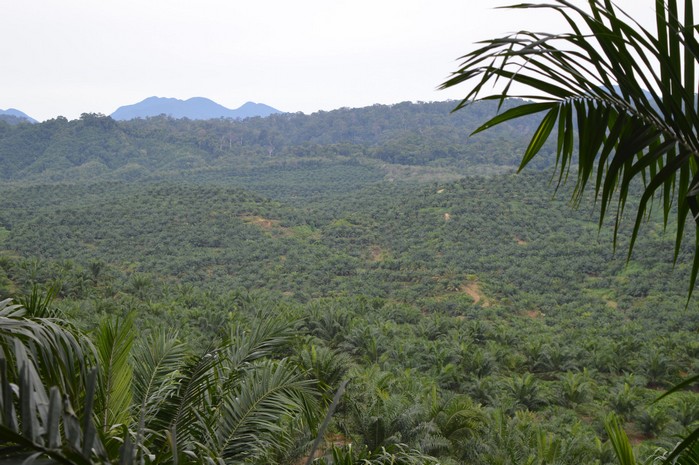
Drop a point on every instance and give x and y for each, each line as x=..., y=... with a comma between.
x=196, y=108
x=484, y=288
x=14, y=116
x=281, y=155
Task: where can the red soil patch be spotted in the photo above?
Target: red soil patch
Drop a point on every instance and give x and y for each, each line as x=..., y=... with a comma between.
x=473, y=290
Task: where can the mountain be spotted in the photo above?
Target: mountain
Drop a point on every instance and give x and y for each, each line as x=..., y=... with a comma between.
x=193, y=108
x=14, y=116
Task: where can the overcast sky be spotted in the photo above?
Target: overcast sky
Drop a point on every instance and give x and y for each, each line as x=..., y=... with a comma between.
x=73, y=56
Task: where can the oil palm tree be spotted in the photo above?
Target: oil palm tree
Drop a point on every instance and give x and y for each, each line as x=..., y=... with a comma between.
x=147, y=401
x=47, y=387
x=619, y=100
x=629, y=94
x=619, y=440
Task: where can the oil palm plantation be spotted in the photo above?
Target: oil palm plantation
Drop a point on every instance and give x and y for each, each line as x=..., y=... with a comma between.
x=617, y=99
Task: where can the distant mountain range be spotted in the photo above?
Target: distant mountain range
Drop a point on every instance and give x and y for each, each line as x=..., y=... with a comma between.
x=14, y=116
x=195, y=108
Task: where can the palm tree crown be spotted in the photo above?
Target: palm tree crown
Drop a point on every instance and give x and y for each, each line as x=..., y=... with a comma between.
x=629, y=93
x=114, y=399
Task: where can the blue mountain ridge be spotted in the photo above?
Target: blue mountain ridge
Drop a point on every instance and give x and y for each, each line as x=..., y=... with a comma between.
x=14, y=113
x=193, y=108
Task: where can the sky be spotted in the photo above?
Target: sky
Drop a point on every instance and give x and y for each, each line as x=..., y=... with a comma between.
x=75, y=56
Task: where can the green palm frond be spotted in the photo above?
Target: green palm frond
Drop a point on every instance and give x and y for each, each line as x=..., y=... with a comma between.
x=157, y=364
x=685, y=456
x=459, y=418
x=113, y=342
x=620, y=441
x=45, y=424
x=254, y=414
x=38, y=304
x=266, y=336
x=36, y=419
x=152, y=403
x=60, y=355
x=398, y=454
x=326, y=365
x=187, y=410
x=629, y=93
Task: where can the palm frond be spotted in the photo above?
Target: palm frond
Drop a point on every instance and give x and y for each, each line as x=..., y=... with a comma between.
x=113, y=342
x=265, y=337
x=60, y=354
x=620, y=441
x=187, y=410
x=157, y=365
x=253, y=415
x=46, y=425
x=38, y=304
x=630, y=93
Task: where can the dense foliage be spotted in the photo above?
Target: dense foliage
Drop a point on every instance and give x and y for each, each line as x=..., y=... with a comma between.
x=621, y=100
x=477, y=319
x=278, y=154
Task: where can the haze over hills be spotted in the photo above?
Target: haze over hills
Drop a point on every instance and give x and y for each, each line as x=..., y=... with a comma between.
x=196, y=108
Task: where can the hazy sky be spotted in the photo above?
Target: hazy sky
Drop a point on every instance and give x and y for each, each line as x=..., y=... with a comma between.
x=73, y=56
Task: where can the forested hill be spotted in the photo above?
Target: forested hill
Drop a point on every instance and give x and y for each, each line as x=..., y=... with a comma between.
x=376, y=142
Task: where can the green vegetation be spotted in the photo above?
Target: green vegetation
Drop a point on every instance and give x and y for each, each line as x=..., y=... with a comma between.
x=113, y=400
x=284, y=156
x=476, y=318
x=622, y=102
x=454, y=314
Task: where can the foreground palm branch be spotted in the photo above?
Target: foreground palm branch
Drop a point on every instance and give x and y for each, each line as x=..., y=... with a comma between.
x=56, y=352
x=147, y=402
x=47, y=389
x=629, y=93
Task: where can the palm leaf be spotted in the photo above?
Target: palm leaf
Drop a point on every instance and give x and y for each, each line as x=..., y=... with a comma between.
x=59, y=353
x=266, y=336
x=604, y=73
x=187, y=408
x=157, y=363
x=620, y=442
x=633, y=96
x=46, y=425
x=113, y=341
x=253, y=415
